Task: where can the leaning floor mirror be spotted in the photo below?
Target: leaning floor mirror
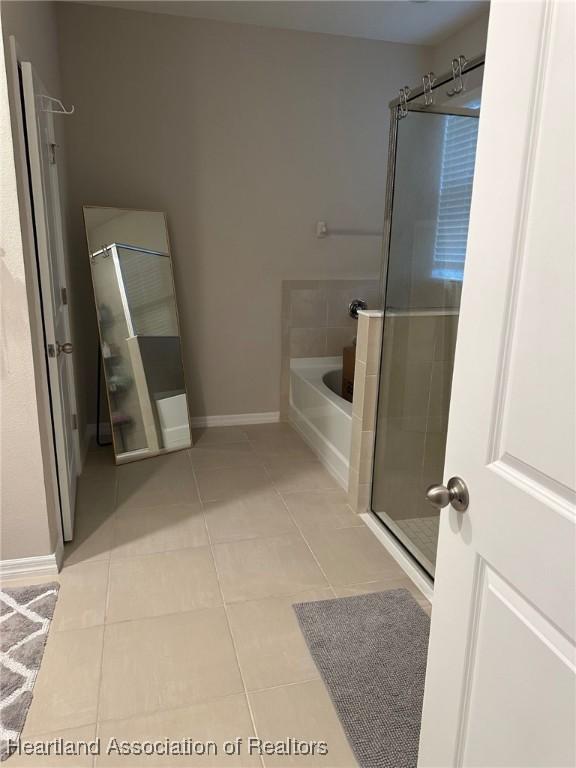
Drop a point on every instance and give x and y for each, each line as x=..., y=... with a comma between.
x=140, y=346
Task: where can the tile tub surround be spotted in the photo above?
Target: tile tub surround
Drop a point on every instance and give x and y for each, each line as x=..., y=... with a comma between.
x=316, y=323
x=366, y=377
x=175, y=609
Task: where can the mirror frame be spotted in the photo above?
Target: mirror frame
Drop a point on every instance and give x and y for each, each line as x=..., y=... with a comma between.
x=140, y=453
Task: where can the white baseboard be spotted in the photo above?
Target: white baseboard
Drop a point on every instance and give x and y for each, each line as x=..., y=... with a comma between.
x=196, y=422
x=31, y=567
x=235, y=419
x=332, y=459
x=413, y=571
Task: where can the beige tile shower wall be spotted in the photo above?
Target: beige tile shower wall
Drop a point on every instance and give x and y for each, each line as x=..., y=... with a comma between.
x=418, y=352
x=316, y=323
x=366, y=379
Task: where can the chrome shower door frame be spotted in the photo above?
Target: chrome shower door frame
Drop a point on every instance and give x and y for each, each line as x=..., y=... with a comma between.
x=420, y=108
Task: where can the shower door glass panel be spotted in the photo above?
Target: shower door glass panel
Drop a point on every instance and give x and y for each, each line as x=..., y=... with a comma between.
x=432, y=191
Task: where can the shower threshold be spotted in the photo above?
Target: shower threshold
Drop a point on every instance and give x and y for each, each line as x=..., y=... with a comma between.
x=420, y=537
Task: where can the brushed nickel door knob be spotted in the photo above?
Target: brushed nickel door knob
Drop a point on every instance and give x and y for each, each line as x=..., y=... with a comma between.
x=454, y=493
x=65, y=348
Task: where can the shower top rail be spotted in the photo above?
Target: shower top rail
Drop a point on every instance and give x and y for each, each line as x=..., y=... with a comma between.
x=443, y=79
x=440, y=109
x=105, y=248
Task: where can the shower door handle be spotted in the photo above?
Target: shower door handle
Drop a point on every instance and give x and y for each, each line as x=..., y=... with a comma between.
x=455, y=493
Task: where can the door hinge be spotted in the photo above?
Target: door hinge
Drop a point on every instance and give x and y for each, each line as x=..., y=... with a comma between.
x=74, y=421
x=52, y=153
x=64, y=295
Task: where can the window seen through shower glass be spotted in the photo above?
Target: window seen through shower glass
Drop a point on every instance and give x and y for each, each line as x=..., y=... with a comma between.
x=435, y=156
x=455, y=196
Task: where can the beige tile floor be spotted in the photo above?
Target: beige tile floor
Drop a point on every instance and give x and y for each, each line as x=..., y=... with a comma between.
x=175, y=616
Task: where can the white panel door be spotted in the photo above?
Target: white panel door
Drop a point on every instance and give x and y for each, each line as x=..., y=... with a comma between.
x=501, y=684
x=42, y=163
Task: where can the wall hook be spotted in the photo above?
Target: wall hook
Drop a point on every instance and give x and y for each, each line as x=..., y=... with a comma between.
x=48, y=107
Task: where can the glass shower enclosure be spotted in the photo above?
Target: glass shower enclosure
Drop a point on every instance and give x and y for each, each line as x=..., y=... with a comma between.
x=430, y=175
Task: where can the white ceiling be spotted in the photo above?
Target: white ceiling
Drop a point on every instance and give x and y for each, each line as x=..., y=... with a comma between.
x=421, y=22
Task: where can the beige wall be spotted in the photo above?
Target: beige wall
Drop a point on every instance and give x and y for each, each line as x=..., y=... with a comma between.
x=246, y=137
x=470, y=41
x=28, y=514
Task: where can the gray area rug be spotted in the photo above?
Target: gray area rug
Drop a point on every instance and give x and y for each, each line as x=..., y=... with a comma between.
x=25, y=614
x=371, y=652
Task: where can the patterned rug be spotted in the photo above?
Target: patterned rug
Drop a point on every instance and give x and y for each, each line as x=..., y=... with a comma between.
x=25, y=615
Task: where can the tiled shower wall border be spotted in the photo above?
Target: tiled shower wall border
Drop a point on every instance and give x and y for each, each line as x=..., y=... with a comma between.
x=366, y=378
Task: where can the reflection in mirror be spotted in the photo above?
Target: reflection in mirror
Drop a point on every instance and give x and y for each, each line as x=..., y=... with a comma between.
x=139, y=336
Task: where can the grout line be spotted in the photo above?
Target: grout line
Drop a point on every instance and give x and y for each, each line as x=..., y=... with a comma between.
x=340, y=491
x=200, y=609
x=305, y=540
x=288, y=685
x=125, y=511
x=151, y=713
x=232, y=640
x=222, y=604
x=138, y=556
x=161, y=710
x=98, y=698
x=159, y=616
x=299, y=529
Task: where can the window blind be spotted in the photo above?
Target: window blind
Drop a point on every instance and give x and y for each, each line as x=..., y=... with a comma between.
x=456, y=177
x=148, y=285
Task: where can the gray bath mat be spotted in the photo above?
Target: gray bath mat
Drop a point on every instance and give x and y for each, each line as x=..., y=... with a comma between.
x=371, y=652
x=25, y=614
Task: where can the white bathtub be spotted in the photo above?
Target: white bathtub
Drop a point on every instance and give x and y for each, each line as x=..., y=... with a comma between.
x=323, y=418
